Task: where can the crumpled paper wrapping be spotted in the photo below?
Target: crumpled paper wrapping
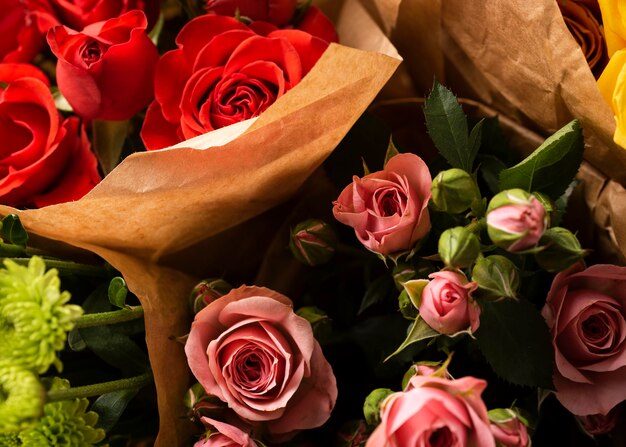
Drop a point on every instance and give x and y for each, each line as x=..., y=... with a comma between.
x=519, y=58
x=166, y=218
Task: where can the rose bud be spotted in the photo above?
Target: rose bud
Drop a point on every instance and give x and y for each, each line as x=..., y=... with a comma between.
x=561, y=249
x=458, y=247
x=600, y=424
x=388, y=209
x=200, y=404
x=207, y=291
x=508, y=429
x=445, y=302
x=496, y=277
x=454, y=191
x=313, y=242
x=277, y=12
x=222, y=434
x=516, y=220
x=106, y=71
x=436, y=369
x=371, y=407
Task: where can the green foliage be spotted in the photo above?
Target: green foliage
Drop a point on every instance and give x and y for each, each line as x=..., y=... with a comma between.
x=117, y=292
x=13, y=231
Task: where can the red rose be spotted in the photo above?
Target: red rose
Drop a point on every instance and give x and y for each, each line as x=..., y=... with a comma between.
x=223, y=73
x=316, y=23
x=106, y=71
x=21, y=40
x=77, y=14
x=45, y=159
x=278, y=12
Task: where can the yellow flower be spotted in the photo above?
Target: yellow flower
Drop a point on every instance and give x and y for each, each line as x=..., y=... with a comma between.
x=612, y=85
x=614, y=18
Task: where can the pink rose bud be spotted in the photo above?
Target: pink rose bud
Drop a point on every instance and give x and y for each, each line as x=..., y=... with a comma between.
x=201, y=404
x=278, y=12
x=508, y=429
x=446, y=302
x=388, y=209
x=600, y=424
x=207, y=291
x=224, y=435
x=313, y=242
x=516, y=220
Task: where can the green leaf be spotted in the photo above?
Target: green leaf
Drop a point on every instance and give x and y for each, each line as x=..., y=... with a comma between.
x=376, y=292
x=117, y=292
x=420, y=330
x=474, y=142
x=447, y=126
x=392, y=151
x=156, y=30
x=13, y=231
x=515, y=340
x=108, y=142
x=552, y=167
x=59, y=100
x=75, y=341
x=110, y=407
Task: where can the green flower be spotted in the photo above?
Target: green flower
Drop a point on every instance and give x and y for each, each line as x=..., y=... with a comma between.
x=10, y=441
x=34, y=319
x=64, y=424
x=21, y=400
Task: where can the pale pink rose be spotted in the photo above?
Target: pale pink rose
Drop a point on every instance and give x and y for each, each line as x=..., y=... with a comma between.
x=512, y=433
x=253, y=352
x=226, y=436
x=586, y=310
x=433, y=411
x=447, y=305
x=388, y=209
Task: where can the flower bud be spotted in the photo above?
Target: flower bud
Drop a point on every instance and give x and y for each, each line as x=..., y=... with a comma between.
x=200, y=404
x=458, y=247
x=21, y=399
x=496, y=277
x=561, y=249
x=516, y=220
x=313, y=242
x=207, y=291
x=453, y=191
x=371, y=408
x=508, y=428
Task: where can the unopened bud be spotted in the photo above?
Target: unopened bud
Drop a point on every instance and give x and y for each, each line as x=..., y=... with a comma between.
x=458, y=247
x=313, y=242
x=454, y=191
x=207, y=291
x=508, y=428
x=516, y=220
x=496, y=277
x=561, y=249
x=200, y=404
x=371, y=407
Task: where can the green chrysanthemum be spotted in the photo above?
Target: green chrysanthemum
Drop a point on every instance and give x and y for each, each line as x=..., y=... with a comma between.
x=21, y=400
x=34, y=316
x=10, y=441
x=64, y=424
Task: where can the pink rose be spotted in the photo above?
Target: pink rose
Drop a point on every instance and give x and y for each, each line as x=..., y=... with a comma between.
x=433, y=411
x=226, y=436
x=253, y=352
x=510, y=433
x=586, y=310
x=445, y=302
x=600, y=424
x=388, y=209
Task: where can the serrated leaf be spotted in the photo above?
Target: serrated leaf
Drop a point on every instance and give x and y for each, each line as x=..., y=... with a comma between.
x=551, y=167
x=447, y=126
x=13, y=230
x=515, y=340
x=108, y=142
x=473, y=144
x=420, y=330
x=392, y=151
x=117, y=292
x=110, y=407
x=376, y=292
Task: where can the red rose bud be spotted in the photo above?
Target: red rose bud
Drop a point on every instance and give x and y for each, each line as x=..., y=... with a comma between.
x=106, y=71
x=458, y=247
x=200, y=404
x=516, y=220
x=496, y=277
x=454, y=191
x=371, y=407
x=508, y=428
x=207, y=291
x=313, y=242
x=278, y=12
x=560, y=250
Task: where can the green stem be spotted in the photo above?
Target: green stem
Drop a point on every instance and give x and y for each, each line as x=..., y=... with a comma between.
x=115, y=316
x=66, y=267
x=98, y=389
x=476, y=226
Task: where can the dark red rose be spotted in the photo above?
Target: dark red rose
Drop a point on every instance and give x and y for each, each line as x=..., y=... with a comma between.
x=77, y=14
x=106, y=71
x=223, y=73
x=21, y=40
x=45, y=159
x=278, y=12
x=316, y=23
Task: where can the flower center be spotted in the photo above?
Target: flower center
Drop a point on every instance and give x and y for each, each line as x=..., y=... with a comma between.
x=91, y=53
x=442, y=437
